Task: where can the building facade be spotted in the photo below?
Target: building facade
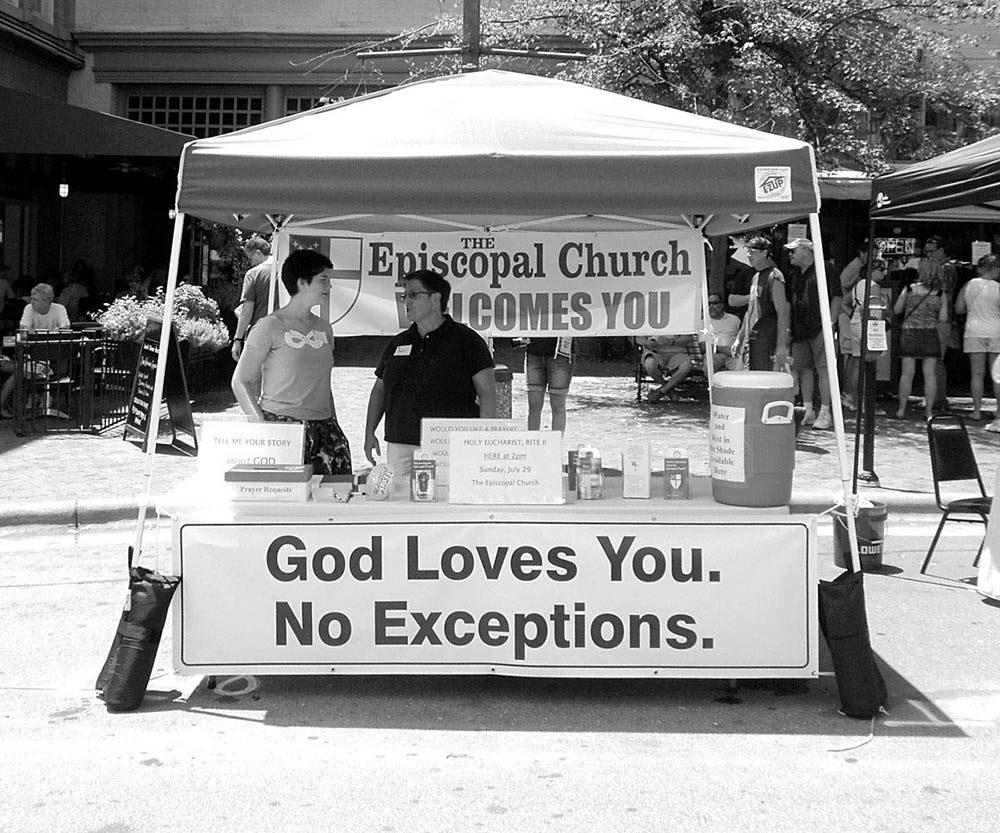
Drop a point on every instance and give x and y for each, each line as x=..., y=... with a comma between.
x=199, y=69
x=189, y=67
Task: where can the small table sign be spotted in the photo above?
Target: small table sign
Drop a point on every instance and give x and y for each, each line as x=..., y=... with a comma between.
x=516, y=467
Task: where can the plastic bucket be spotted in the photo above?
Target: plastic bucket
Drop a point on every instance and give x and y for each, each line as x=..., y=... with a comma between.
x=870, y=525
x=752, y=438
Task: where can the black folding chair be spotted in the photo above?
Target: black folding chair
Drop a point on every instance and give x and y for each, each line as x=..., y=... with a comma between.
x=952, y=461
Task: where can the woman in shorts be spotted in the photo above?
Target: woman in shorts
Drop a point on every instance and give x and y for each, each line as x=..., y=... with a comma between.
x=923, y=307
x=548, y=364
x=853, y=305
x=283, y=374
x=979, y=299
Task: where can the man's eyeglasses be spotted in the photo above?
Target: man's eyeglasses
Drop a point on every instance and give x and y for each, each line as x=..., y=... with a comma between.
x=416, y=293
x=715, y=303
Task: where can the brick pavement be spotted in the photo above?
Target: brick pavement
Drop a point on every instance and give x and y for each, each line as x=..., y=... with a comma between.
x=80, y=477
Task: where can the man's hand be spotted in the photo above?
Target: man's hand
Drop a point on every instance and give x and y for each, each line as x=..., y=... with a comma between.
x=372, y=448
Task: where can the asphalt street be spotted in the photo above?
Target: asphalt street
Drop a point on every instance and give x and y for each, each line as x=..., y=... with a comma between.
x=469, y=753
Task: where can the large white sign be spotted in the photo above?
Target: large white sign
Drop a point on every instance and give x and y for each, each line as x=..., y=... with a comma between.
x=520, y=283
x=598, y=597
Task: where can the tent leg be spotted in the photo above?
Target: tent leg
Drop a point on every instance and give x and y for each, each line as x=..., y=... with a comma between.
x=159, y=379
x=850, y=499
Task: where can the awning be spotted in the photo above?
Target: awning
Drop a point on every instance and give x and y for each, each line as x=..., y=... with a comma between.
x=961, y=185
x=844, y=185
x=29, y=124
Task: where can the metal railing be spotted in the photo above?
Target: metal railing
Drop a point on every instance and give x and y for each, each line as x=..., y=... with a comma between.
x=71, y=381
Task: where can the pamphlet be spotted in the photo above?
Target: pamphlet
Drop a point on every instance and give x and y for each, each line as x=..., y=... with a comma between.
x=677, y=476
x=636, y=469
x=423, y=480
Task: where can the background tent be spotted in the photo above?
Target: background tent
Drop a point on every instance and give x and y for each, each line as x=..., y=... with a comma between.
x=489, y=149
x=961, y=185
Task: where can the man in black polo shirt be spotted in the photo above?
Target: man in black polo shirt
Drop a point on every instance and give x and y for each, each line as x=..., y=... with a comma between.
x=436, y=368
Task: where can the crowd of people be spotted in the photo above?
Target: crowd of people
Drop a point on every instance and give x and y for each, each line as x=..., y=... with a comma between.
x=57, y=303
x=770, y=320
x=766, y=320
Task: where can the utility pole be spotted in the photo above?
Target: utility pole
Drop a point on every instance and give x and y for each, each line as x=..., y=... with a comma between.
x=472, y=48
x=471, y=35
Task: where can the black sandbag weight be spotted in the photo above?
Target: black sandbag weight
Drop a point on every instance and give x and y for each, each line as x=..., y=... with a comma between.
x=123, y=678
x=844, y=621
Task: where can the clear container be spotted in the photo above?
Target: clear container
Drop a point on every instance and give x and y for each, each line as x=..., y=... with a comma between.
x=589, y=476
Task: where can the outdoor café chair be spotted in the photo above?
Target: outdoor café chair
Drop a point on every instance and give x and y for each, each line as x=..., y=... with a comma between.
x=954, y=461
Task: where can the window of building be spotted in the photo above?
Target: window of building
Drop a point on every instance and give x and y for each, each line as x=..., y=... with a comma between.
x=196, y=115
x=301, y=103
x=43, y=9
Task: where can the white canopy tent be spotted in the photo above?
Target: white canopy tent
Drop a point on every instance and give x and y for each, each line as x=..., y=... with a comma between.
x=491, y=150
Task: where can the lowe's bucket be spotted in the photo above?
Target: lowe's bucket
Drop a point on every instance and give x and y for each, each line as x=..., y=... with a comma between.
x=870, y=526
x=752, y=438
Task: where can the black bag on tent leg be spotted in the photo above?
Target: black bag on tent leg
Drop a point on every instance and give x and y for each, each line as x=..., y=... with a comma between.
x=844, y=622
x=125, y=675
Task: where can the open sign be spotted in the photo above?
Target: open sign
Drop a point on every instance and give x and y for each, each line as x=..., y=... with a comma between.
x=895, y=246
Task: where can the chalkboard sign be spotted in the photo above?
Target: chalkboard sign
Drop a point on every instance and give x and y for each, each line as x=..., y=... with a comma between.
x=175, y=392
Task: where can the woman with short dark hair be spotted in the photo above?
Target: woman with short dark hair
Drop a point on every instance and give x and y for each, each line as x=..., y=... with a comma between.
x=291, y=352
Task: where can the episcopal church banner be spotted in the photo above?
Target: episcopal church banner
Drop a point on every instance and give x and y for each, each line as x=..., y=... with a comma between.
x=520, y=283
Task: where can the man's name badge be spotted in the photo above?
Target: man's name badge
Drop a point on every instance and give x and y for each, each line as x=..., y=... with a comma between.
x=403, y=350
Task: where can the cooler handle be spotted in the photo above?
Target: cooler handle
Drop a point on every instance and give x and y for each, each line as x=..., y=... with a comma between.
x=767, y=418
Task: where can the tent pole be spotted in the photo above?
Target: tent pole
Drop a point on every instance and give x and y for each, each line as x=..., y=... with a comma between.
x=706, y=330
x=278, y=242
x=831, y=370
x=159, y=379
x=278, y=255
x=861, y=399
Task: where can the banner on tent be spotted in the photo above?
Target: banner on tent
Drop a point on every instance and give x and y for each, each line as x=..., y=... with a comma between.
x=520, y=283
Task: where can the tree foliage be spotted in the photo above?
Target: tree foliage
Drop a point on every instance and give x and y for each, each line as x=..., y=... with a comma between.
x=864, y=81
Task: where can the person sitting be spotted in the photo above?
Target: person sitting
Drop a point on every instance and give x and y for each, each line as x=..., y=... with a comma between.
x=667, y=360
x=6, y=294
x=43, y=313
x=138, y=285
x=7, y=388
x=724, y=326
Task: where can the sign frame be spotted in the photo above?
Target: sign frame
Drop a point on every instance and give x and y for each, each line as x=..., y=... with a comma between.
x=791, y=570
x=175, y=392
